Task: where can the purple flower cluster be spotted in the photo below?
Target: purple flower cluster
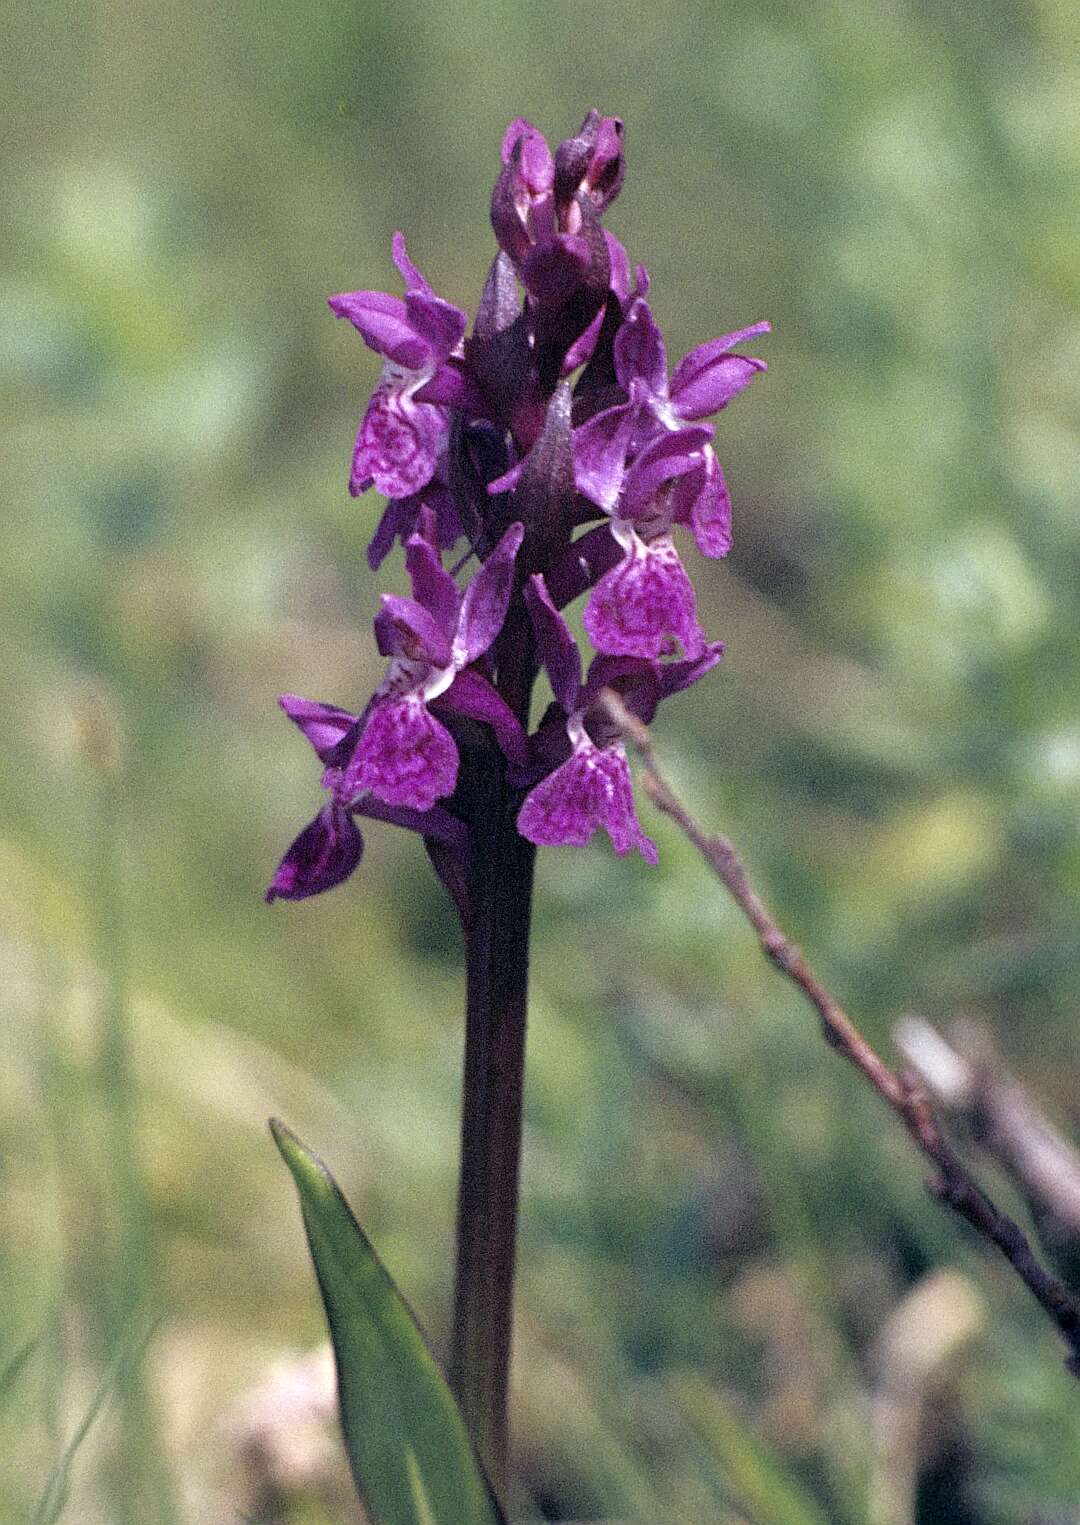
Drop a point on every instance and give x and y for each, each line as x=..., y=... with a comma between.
x=553, y=443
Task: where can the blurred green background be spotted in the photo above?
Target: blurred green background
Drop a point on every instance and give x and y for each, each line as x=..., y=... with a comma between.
x=719, y=1222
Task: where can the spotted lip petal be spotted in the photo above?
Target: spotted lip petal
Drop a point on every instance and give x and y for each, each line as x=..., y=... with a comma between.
x=590, y=790
x=399, y=444
x=404, y=756
x=641, y=602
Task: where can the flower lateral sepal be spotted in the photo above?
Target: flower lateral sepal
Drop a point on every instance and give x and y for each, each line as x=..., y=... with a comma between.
x=322, y=856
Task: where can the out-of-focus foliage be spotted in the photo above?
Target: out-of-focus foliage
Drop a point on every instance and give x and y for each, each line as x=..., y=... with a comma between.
x=717, y=1221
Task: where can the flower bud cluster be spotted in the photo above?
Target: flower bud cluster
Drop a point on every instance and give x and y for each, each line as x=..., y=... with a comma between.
x=552, y=452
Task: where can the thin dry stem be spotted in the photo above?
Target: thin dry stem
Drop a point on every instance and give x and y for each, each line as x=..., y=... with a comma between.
x=952, y=1183
x=969, y=1082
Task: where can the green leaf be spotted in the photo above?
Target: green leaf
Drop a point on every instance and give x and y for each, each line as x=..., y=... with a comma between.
x=410, y=1453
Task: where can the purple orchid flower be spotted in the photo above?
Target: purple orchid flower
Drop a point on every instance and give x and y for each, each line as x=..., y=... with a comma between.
x=673, y=477
x=705, y=381
x=403, y=435
x=402, y=754
x=330, y=847
x=591, y=787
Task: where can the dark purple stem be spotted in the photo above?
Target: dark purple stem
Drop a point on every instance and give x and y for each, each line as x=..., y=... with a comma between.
x=497, y=964
x=496, y=972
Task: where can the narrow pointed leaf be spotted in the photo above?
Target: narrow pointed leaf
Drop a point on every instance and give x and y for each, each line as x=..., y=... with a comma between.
x=409, y=1450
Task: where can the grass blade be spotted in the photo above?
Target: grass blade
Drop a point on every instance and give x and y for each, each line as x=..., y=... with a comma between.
x=748, y=1474
x=50, y=1505
x=13, y=1368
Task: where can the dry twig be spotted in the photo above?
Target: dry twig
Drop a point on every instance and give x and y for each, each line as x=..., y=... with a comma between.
x=953, y=1184
x=968, y=1079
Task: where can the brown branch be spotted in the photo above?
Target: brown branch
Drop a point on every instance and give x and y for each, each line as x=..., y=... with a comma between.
x=953, y=1184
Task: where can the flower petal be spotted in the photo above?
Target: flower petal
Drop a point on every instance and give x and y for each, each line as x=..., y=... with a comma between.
x=323, y=724
x=644, y=600
x=639, y=352
x=325, y=853
x=555, y=267
x=433, y=587
x=591, y=789
x=521, y=199
x=404, y=756
x=668, y=455
x=701, y=500
x=398, y=520
x=398, y=445
x=487, y=597
x=453, y=386
x=404, y=628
